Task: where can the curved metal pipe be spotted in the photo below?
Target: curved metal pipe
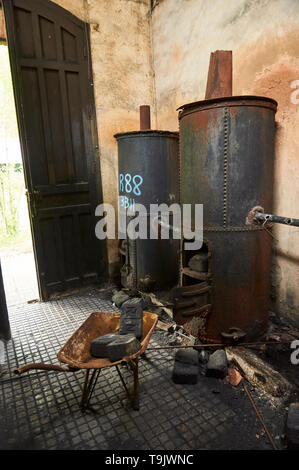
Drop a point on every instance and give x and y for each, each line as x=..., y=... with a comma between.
x=41, y=366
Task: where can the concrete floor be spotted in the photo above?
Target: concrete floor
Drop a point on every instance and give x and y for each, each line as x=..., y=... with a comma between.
x=19, y=277
x=40, y=410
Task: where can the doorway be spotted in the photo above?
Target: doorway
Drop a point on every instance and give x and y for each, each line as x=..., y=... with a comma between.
x=16, y=249
x=53, y=88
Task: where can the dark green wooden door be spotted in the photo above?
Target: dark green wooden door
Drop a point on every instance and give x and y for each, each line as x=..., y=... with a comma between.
x=51, y=69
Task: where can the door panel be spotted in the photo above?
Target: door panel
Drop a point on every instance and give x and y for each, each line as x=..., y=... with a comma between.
x=50, y=60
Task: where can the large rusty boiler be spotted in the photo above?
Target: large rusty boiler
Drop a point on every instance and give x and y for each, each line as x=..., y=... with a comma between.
x=227, y=155
x=148, y=170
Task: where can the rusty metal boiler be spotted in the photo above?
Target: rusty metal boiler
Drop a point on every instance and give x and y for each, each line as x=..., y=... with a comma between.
x=227, y=156
x=148, y=164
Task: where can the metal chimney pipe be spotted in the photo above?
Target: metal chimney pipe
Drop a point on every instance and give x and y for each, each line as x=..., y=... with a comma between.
x=145, y=117
x=220, y=75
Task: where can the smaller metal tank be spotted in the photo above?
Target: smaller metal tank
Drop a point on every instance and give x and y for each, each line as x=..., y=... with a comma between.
x=148, y=171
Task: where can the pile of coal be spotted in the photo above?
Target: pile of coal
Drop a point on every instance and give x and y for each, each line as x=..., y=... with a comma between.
x=189, y=362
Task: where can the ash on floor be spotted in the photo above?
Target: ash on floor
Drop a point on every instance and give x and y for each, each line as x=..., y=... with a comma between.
x=40, y=410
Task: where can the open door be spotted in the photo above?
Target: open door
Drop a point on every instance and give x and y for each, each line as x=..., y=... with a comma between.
x=52, y=77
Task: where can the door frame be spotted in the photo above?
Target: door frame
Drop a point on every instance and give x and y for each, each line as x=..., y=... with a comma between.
x=92, y=156
x=5, y=333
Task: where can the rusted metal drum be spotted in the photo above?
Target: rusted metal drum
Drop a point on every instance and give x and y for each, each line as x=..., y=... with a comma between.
x=227, y=155
x=148, y=172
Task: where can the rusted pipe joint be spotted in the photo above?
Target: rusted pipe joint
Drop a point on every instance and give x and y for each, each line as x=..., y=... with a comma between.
x=257, y=216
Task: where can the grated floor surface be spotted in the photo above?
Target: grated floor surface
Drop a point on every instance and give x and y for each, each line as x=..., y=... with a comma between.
x=40, y=410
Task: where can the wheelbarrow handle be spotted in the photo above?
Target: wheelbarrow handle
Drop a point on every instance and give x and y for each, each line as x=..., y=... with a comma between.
x=41, y=366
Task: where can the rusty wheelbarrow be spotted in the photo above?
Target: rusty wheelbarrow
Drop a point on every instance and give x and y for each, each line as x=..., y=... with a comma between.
x=76, y=353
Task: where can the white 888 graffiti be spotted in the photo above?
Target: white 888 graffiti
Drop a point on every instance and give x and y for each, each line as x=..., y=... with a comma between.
x=129, y=184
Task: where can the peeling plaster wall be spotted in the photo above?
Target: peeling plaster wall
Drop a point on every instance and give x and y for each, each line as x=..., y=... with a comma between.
x=121, y=62
x=264, y=38
x=176, y=43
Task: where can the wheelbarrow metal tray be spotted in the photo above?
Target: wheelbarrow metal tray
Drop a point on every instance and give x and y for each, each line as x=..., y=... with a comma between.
x=76, y=351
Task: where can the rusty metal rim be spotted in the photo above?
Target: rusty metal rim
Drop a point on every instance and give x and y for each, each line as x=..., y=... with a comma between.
x=245, y=100
x=146, y=133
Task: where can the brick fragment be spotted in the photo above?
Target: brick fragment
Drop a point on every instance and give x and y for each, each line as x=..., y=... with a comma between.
x=123, y=345
x=217, y=365
x=187, y=356
x=131, y=317
x=98, y=346
x=119, y=298
x=184, y=373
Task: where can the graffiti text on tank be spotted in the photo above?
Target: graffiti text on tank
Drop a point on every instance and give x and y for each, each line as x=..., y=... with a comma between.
x=131, y=186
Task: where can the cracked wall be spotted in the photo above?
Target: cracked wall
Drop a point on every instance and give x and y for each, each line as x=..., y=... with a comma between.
x=127, y=44
x=264, y=38
x=121, y=62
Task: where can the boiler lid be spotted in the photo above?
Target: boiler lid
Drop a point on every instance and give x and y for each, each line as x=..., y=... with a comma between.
x=244, y=100
x=146, y=133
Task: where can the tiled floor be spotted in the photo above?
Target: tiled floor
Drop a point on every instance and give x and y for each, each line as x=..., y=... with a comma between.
x=40, y=410
x=19, y=276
